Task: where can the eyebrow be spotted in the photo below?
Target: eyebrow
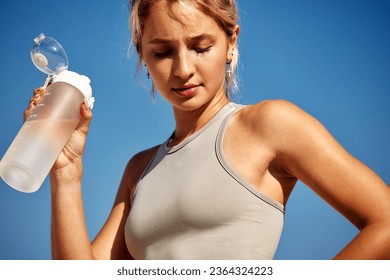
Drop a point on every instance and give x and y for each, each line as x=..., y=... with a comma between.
x=201, y=37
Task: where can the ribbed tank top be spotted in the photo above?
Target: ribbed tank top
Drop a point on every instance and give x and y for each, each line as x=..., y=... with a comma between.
x=191, y=204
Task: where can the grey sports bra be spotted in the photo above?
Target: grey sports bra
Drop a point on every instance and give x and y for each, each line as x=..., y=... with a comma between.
x=190, y=204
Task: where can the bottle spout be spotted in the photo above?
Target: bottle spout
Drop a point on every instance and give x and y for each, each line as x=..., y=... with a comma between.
x=39, y=38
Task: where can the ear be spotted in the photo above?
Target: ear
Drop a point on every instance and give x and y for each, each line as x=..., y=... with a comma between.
x=232, y=44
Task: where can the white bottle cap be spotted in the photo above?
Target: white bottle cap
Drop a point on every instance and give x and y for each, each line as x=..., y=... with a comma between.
x=81, y=82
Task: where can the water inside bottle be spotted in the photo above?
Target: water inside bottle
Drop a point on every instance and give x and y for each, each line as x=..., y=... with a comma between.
x=25, y=165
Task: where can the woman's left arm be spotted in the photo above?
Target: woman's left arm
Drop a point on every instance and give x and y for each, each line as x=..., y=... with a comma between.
x=308, y=152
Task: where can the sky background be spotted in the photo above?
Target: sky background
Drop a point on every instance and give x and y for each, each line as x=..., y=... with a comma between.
x=329, y=57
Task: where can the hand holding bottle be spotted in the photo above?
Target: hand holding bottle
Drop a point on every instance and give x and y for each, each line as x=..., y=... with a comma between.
x=73, y=151
x=56, y=123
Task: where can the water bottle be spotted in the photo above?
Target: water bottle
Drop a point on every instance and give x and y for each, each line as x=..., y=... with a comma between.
x=42, y=137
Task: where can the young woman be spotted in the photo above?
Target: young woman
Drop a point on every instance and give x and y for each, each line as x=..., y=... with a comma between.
x=217, y=188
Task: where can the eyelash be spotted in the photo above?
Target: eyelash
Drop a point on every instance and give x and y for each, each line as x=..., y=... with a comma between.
x=168, y=53
x=202, y=50
x=162, y=54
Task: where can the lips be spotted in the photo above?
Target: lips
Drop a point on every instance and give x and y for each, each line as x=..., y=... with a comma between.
x=186, y=90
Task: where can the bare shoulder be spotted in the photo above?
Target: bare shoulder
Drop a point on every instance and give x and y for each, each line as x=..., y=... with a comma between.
x=139, y=161
x=272, y=111
x=286, y=130
x=136, y=166
x=275, y=117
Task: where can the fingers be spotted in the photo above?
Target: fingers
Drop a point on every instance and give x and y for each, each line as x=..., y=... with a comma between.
x=86, y=117
x=37, y=94
x=85, y=111
x=39, y=91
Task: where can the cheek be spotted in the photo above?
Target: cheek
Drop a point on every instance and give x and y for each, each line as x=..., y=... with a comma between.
x=161, y=74
x=213, y=69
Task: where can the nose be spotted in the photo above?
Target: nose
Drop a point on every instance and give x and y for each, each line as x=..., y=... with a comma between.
x=183, y=65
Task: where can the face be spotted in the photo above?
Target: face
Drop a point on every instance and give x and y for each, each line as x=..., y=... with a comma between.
x=185, y=52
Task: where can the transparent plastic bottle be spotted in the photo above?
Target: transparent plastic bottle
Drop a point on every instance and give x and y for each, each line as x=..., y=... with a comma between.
x=42, y=137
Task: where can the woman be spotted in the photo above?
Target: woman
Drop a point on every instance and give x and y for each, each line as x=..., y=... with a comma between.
x=216, y=189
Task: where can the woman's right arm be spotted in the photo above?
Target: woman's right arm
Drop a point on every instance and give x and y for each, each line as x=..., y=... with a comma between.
x=69, y=233
x=68, y=227
x=68, y=230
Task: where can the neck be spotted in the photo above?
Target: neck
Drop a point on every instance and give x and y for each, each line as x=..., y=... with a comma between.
x=189, y=122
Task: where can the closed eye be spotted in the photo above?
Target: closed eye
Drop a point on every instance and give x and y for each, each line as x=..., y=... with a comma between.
x=169, y=52
x=163, y=54
x=202, y=50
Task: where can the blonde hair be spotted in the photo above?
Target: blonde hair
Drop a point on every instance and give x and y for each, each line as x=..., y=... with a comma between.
x=224, y=12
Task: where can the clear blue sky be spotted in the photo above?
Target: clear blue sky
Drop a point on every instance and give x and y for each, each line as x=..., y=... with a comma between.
x=330, y=57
